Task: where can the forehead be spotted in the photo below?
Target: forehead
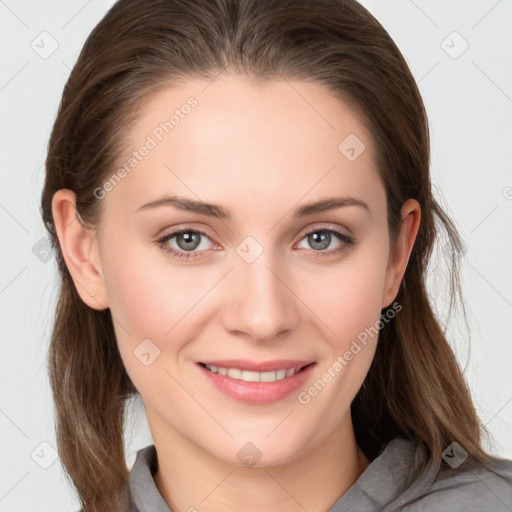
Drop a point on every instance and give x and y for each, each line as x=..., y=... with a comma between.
x=249, y=142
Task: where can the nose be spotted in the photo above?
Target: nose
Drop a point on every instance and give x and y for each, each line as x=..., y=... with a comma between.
x=261, y=303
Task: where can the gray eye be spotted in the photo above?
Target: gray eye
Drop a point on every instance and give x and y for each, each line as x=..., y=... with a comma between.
x=188, y=240
x=319, y=239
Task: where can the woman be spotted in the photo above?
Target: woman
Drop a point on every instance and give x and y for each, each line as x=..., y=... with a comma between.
x=239, y=196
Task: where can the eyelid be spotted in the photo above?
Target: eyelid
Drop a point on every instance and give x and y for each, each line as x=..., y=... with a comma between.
x=346, y=239
x=325, y=226
x=185, y=229
x=169, y=235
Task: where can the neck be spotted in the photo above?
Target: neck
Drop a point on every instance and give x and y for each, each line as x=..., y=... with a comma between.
x=189, y=478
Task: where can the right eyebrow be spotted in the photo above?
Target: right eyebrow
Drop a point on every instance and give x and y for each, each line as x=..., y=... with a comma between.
x=190, y=205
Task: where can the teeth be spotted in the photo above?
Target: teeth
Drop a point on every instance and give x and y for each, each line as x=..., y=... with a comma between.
x=250, y=376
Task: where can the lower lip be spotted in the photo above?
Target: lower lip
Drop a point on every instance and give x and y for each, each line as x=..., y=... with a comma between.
x=257, y=393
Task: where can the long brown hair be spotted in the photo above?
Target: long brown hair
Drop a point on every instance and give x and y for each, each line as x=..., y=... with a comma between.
x=415, y=388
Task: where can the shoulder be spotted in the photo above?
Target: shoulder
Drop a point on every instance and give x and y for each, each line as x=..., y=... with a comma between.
x=472, y=486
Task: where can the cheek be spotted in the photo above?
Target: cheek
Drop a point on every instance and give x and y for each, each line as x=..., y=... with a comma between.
x=151, y=299
x=144, y=300
x=348, y=299
x=348, y=302
x=146, y=304
x=135, y=295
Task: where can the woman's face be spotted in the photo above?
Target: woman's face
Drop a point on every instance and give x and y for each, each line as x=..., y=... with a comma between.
x=256, y=286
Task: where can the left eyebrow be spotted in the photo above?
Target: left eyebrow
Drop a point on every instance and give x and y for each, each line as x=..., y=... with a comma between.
x=329, y=203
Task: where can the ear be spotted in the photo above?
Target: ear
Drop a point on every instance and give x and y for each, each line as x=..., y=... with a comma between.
x=79, y=246
x=399, y=257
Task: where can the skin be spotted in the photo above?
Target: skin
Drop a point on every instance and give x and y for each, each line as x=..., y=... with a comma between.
x=259, y=150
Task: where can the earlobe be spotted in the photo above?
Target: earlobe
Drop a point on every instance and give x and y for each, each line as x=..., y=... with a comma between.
x=399, y=258
x=79, y=248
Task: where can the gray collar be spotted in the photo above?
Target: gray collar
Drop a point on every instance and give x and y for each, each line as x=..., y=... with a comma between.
x=392, y=479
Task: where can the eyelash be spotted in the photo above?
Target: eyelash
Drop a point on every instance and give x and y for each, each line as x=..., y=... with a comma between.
x=347, y=243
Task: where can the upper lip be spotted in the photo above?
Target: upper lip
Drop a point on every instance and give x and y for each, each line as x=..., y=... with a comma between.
x=258, y=366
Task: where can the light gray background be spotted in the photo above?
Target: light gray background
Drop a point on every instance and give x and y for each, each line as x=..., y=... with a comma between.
x=469, y=102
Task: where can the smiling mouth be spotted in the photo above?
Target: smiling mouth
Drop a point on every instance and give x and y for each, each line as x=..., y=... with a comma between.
x=255, y=376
